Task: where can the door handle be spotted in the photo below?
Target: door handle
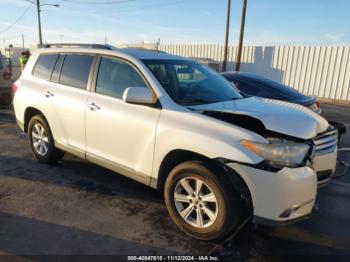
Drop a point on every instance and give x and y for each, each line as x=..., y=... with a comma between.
x=49, y=94
x=93, y=107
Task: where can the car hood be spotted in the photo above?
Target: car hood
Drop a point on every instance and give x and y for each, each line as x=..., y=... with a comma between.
x=277, y=116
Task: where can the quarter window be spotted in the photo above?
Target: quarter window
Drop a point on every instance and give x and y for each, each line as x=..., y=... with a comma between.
x=115, y=76
x=44, y=66
x=75, y=70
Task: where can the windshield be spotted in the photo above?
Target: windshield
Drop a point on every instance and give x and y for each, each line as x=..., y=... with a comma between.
x=191, y=83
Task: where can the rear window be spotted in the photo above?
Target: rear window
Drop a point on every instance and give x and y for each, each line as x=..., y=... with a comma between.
x=75, y=70
x=248, y=88
x=44, y=66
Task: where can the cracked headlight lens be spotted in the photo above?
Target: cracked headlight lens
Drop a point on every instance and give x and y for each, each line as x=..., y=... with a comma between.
x=279, y=153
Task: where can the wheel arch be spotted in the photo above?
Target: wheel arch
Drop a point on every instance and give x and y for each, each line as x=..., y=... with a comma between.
x=178, y=156
x=28, y=114
x=174, y=158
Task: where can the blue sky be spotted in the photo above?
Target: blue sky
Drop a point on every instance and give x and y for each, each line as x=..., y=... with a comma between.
x=269, y=22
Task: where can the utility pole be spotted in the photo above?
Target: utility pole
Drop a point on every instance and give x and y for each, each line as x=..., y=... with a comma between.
x=228, y=15
x=22, y=41
x=39, y=22
x=158, y=44
x=241, y=35
x=38, y=5
x=105, y=39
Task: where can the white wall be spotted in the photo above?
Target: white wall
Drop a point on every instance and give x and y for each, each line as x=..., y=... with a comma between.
x=323, y=71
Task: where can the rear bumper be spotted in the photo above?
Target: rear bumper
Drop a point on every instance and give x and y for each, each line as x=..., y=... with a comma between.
x=279, y=197
x=5, y=90
x=5, y=95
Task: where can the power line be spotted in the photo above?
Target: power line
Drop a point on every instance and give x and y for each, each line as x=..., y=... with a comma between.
x=18, y=36
x=30, y=1
x=150, y=6
x=98, y=3
x=19, y=18
x=12, y=37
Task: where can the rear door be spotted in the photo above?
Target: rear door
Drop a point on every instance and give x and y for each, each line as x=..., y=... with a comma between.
x=63, y=99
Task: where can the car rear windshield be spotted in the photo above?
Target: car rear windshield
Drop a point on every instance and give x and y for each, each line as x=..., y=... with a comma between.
x=191, y=83
x=272, y=88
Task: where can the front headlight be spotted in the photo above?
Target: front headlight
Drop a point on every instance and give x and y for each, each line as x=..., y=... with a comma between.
x=279, y=153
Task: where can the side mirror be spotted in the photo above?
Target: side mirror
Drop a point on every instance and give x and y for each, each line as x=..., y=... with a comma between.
x=138, y=95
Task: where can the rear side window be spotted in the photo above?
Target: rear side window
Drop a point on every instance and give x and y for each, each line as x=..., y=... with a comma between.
x=56, y=70
x=75, y=70
x=44, y=66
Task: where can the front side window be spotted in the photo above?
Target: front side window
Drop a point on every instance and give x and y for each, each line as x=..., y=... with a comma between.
x=75, y=70
x=44, y=66
x=115, y=76
x=191, y=83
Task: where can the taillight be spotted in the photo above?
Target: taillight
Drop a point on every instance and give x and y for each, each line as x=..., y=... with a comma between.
x=14, y=88
x=7, y=75
x=318, y=104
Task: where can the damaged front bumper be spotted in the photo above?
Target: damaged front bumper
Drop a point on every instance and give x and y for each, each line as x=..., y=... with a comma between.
x=325, y=159
x=279, y=197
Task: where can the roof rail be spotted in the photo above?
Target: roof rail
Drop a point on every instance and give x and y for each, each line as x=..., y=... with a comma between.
x=95, y=46
x=144, y=49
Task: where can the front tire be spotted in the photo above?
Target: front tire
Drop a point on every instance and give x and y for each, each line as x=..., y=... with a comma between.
x=202, y=201
x=41, y=141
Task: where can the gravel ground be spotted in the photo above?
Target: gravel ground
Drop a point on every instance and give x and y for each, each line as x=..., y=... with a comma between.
x=77, y=208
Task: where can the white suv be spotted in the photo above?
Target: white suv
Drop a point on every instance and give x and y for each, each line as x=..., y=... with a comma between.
x=175, y=125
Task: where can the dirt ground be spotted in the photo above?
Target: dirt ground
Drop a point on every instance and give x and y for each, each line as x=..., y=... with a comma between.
x=77, y=208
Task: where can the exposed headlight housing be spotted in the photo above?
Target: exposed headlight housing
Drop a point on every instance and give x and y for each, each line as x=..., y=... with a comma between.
x=279, y=153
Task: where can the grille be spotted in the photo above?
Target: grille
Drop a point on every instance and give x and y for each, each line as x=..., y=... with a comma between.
x=326, y=143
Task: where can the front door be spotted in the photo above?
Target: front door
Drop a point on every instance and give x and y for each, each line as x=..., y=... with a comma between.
x=120, y=135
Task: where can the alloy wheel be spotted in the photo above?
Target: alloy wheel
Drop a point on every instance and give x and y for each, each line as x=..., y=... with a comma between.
x=195, y=202
x=40, y=139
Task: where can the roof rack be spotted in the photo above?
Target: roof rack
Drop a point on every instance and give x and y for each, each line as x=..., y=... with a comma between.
x=144, y=49
x=95, y=46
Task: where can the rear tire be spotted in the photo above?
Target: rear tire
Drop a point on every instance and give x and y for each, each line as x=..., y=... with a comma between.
x=41, y=141
x=202, y=201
